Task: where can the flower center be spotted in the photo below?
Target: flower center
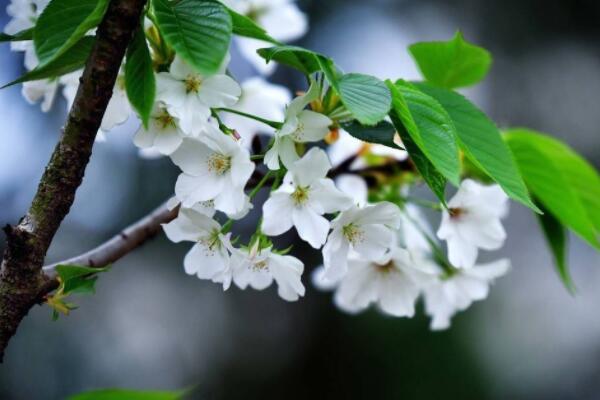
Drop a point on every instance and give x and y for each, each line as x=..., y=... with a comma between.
x=353, y=233
x=300, y=195
x=260, y=266
x=456, y=212
x=192, y=83
x=219, y=163
x=210, y=242
x=164, y=120
x=385, y=268
x=298, y=134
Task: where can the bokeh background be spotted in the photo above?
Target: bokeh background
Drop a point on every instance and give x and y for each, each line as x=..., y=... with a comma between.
x=150, y=326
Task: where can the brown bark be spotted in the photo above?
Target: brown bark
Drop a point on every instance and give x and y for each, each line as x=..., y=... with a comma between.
x=21, y=274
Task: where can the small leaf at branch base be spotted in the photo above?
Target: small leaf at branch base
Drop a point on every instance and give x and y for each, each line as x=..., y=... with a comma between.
x=78, y=279
x=70, y=61
x=139, y=77
x=451, y=64
x=556, y=237
x=198, y=30
x=62, y=24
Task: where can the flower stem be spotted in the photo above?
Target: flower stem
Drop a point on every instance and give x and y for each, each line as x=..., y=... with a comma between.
x=272, y=124
x=424, y=203
x=260, y=184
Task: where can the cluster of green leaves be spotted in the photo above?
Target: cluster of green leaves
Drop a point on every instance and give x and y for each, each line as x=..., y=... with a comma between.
x=443, y=131
x=73, y=279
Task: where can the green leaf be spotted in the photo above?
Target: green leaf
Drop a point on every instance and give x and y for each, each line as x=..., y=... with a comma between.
x=305, y=61
x=404, y=123
x=26, y=34
x=78, y=279
x=482, y=143
x=451, y=64
x=367, y=98
x=556, y=237
x=125, y=394
x=140, y=82
x=198, y=30
x=244, y=26
x=564, y=183
x=70, y=61
x=62, y=24
x=383, y=133
x=429, y=126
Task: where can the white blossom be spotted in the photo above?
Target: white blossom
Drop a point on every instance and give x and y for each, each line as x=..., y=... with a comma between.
x=368, y=231
x=24, y=14
x=449, y=294
x=393, y=282
x=473, y=222
x=118, y=109
x=258, y=268
x=280, y=18
x=209, y=256
x=163, y=132
x=259, y=98
x=303, y=198
x=301, y=126
x=189, y=95
x=214, y=168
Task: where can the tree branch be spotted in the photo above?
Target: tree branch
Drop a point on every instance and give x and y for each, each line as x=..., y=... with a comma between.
x=27, y=243
x=121, y=244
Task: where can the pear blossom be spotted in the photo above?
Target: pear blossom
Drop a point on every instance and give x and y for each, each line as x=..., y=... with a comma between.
x=280, y=18
x=368, y=231
x=258, y=268
x=163, y=132
x=449, y=294
x=209, y=256
x=473, y=222
x=216, y=168
x=189, y=95
x=259, y=98
x=301, y=126
x=393, y=282
x=302, y=200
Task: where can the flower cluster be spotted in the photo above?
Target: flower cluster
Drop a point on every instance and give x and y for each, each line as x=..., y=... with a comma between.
x=377, y=247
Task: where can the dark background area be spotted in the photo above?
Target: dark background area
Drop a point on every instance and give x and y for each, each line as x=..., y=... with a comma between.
x=150, y=326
